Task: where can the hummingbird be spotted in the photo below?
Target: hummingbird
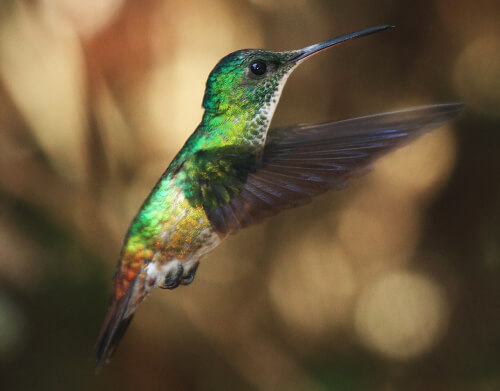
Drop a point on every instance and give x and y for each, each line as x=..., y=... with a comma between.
x=233, y=172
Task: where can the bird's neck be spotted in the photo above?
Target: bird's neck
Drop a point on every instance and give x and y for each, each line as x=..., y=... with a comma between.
x=235, y=127
x=244, y=125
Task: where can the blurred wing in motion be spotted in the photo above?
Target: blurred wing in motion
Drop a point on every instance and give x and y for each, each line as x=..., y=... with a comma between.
x=302, y=161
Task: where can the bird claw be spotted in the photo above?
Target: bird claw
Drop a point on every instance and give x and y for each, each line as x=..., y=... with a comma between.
x=188, y=277
x=173, y=278
x=179, y=276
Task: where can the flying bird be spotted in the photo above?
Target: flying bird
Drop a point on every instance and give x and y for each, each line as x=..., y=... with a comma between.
x=234, y=172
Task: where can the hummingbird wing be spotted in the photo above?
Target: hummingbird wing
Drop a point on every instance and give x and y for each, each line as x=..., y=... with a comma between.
x=303, y=161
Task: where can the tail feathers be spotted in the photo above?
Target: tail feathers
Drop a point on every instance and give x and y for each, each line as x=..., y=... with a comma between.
x=115, y=325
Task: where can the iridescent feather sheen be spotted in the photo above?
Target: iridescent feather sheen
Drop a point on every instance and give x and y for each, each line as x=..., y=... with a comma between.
x=231, y=174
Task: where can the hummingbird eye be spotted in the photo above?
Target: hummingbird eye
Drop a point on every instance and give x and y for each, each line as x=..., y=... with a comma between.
x=258, y=67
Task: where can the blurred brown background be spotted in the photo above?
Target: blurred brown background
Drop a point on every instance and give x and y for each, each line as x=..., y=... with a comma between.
x=392, y=284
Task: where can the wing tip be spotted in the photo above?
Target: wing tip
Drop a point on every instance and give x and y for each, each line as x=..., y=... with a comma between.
x=448, y=110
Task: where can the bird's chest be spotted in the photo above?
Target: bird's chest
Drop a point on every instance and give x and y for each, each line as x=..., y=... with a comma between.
x=186, y=234
x=184, y=237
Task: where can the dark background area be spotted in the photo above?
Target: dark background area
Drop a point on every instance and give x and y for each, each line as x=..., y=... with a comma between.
x=391, y=284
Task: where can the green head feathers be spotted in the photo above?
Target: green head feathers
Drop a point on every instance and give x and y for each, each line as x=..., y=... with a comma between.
x=243, y=90
x=241, y=94
x=246, y=80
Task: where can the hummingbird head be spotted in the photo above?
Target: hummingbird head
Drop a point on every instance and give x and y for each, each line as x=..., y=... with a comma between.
x=246, y=81
x=245, y=86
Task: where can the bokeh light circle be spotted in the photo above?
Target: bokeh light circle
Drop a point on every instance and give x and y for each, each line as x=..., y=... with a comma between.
x=401, y=315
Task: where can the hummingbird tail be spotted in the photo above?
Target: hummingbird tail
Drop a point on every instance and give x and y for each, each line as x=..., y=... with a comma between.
x=116, y=323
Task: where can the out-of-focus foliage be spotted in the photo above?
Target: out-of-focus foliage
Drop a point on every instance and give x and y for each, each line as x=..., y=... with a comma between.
x=392, y=284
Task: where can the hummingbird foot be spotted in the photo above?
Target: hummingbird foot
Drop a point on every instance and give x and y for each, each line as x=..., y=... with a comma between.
x=188, y=276
x=173, y=277
x=179, y=275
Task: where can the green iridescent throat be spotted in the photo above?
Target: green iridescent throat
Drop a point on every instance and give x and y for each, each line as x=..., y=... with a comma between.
x=238, y=105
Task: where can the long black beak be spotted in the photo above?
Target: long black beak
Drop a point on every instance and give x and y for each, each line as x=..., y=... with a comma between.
x=319, y=47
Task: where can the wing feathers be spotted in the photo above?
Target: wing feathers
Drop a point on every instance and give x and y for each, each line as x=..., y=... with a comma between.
x=303, y=161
